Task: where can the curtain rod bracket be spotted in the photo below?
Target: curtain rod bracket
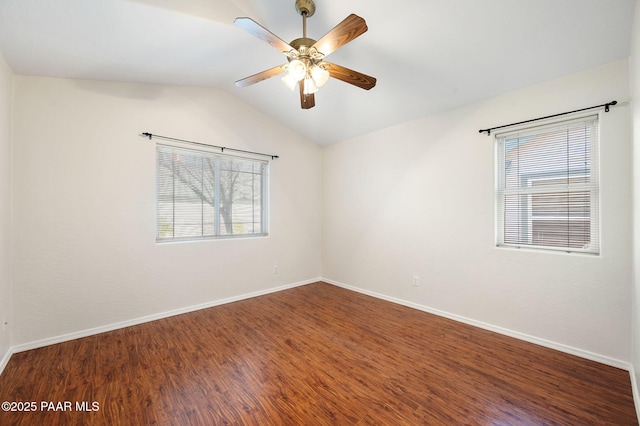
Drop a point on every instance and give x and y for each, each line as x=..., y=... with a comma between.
x=606, y=106
x=606, y=109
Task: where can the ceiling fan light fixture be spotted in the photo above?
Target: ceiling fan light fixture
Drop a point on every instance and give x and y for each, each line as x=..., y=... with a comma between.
x=320, y=75
x=309, y=86
x=297, y=69
x=306, y=69
x=290, y=82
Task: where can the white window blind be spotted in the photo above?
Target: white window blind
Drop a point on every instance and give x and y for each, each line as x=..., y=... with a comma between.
x=200, y=194
x=547, y=186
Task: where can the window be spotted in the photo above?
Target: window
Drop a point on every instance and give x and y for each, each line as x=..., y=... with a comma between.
x=201, y=194
x=547, y=186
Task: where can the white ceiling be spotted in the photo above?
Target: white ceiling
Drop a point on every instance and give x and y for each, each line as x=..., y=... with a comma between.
x=428, y=55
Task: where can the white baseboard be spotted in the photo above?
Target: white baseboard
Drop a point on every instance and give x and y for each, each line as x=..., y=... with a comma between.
x=122, y=324
x=634, y=389
x=525, y=337
x=521, y=336
x=5, y=359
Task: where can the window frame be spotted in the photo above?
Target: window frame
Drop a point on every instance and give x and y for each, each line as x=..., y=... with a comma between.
x=218, y=158
x=592, y=186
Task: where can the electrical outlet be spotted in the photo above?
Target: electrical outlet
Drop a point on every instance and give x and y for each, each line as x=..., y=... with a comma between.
x=416, y=281
x=275, y=269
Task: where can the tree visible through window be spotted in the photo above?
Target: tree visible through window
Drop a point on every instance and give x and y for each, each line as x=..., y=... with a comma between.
x=200, y=194
x=547, y=190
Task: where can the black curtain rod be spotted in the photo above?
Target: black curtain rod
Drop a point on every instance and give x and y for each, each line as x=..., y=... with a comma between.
x=221, y=148
x=606, y=109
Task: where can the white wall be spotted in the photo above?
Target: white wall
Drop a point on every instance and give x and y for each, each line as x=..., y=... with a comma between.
x=417, y=199
x=6, y=78
x=376, y=210
x=84, y=239
x=635, y=90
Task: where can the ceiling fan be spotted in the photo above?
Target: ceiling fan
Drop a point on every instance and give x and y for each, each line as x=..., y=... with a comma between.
x=306, y=67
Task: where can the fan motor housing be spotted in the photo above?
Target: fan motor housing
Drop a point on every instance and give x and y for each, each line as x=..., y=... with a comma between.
x=307, y=7
x=303, y=41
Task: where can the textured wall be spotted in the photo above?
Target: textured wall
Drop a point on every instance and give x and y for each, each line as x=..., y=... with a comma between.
x=634, y=68
x=417, y=199
x=6, y=78
x=84, y=184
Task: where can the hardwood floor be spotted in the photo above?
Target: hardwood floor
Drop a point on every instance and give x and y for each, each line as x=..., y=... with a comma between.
x=316, y=354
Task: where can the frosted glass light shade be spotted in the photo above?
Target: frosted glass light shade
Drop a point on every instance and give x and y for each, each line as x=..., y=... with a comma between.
x=309, y=86
x=297, y=69
x=319, y=75
x=290, y=82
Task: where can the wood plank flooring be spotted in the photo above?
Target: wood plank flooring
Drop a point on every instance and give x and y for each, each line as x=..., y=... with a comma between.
x=312, y=355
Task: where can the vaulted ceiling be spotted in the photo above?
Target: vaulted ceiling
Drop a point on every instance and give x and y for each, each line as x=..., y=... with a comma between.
x=428, y=55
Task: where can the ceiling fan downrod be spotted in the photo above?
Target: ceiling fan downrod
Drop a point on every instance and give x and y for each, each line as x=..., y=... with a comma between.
x=304, y=24
x=306, y=8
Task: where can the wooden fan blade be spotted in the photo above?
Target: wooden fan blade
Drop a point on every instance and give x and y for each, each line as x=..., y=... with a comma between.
x=350, y=28
x=253, y=79
x=350, y=76
x=257, y=30
x=306, y=101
